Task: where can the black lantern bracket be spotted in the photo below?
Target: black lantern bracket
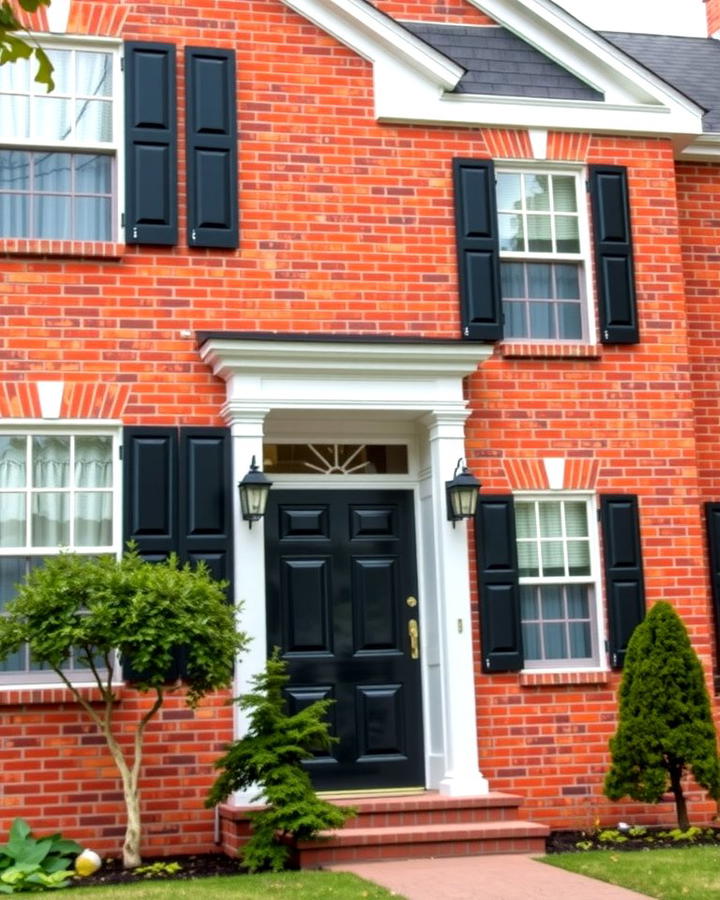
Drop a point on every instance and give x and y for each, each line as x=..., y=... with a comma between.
x=461, y=494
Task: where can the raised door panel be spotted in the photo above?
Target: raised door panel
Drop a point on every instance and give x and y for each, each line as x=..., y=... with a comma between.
x=305, y=589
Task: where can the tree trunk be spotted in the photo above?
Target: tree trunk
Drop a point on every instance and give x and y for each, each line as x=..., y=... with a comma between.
x=680, y=804
x=131, y=844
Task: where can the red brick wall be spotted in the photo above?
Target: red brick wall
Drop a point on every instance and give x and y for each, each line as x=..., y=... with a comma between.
x=712, y=11
x=347, y=226
x=434, y=11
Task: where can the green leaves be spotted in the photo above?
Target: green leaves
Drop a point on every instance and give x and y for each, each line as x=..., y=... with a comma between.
x=34, y=864
x=13, y=47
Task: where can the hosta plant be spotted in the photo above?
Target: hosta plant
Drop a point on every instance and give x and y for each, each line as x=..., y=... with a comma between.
x=30, y=864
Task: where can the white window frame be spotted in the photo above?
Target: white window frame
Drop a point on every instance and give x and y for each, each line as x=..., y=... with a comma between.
x=43, y=678
x=583, y=258
x=592, y=581
x=113, y=148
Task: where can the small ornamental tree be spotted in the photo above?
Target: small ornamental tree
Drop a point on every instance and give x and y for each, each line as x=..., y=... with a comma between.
x=14, y=47
x=99, y=608
x=665, y=723
x=270, y=757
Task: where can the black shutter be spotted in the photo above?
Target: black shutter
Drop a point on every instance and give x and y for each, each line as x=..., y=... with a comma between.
x=613, y=255
x=624, y=584
x=477, y=248
x=211, y=147
x=206, y=499
x=150, y=478
x=712, y=514
x=499, y=591
x=150, y=144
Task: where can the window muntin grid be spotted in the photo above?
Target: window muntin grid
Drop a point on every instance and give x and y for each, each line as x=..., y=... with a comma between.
x=557, y=582
x=542, y=261
x=58, y=165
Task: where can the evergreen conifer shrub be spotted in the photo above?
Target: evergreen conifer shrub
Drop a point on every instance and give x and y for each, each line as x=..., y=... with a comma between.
x=665, y=726
x=270, y=756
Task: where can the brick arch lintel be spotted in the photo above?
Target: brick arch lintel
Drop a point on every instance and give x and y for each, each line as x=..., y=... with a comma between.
x=551, y=473
x=52, y=400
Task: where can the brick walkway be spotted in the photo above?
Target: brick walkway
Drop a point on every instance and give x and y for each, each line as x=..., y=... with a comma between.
x=509, y=877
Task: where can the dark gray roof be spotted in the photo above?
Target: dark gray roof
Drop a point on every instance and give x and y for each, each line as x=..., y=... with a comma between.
x=690, y=65
x=498, y=62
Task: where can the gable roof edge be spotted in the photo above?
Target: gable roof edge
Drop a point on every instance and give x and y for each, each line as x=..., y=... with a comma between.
x=364, y=29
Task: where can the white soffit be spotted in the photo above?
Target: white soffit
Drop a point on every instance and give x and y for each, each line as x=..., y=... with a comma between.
x=412, y=81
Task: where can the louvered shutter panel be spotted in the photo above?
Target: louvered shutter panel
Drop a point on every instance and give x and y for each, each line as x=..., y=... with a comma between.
x=613, y=255
x=206, y=499
x=211, y=148
x=712, y=514
x=150, y=144
x=499, y=589
x=477, y=249
x=624, y=582
x=150, y=502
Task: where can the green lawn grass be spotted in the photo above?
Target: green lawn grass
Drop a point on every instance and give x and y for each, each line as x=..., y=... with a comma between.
x=683, y=873
x=295, y=885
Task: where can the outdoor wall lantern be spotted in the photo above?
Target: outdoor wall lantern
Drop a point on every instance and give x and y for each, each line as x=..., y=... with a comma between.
x=462, y=494
x=254, y=490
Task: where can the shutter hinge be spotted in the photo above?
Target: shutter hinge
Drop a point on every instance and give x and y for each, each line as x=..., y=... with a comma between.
x=120, y=451
x=122, y=219
x=122, y=63
x=599, y=513
x=607, y=646
x=587, y=185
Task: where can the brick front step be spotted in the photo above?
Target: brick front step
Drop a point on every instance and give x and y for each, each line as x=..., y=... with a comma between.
x=410, y=827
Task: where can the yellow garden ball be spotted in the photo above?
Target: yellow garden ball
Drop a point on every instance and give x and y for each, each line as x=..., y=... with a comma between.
x=87, y=863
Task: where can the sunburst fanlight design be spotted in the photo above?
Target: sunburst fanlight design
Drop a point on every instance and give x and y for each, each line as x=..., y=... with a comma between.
x=337, y=459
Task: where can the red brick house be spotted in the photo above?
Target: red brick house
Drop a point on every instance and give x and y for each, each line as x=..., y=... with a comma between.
x=359, y=242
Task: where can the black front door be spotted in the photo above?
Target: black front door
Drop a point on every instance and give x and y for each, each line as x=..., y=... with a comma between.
x=342, y=583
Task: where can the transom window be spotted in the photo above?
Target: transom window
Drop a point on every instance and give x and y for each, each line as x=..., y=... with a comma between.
x=57, y=165
x=557, y=582
x=542, y=270
x=336, y=459
x=57, y=492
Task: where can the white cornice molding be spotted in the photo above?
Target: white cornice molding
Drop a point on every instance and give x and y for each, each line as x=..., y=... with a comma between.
x=412, y=82
x=705, y=148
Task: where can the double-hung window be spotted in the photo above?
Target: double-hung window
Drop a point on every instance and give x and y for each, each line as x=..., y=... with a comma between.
x=558, y=581
x=58, y=151
x=58, y=491
x=543, y=255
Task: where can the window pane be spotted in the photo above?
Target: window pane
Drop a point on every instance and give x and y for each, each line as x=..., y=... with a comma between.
x=15, y=77
x=551, y=599
x=555, y=642
x=531, y=640
x=51, y=118
x=50, y=525
x=527, y=560
x=93, y=462
x=580, y=640
x=577, y=601
x=93, y=173
x=576, y=518
x=52, y=172
x=94, y=74
x=529, y=608
x=52, y=216
x=508, y=191
x=539, y=234
x=93, y=120
x=13, y=467
x=510, y=230
x=537, y=192
x=542, y=320
x=569, y=321
x=14, y=112
x=513, y=279
x=14, y=170
x=15, y=662
x=51, y=461
x=553, y=561
x=525, y=526
x=93, y=519
x=515, y=325
x=578, y=558
x=61, y=60
x=564, y=199
x=12, y=572
x=539, y=281
x=567, y=281
x=14, y=215
x=92, y=219
x=567, y=235
x=550, y=519
x=12, y=520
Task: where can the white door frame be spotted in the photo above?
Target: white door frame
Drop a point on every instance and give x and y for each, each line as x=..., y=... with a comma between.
x=381, y=381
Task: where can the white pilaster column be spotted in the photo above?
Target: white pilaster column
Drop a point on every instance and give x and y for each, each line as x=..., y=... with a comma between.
x=446, y=433
x=246, y=427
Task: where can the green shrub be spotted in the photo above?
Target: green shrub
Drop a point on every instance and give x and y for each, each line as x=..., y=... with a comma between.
x=665, y=724
x=30, y=864
x=270, y=755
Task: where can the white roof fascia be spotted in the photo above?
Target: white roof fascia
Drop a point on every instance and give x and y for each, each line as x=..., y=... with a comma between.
x=571, y=44
x=368, y=32
x=705, y=148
